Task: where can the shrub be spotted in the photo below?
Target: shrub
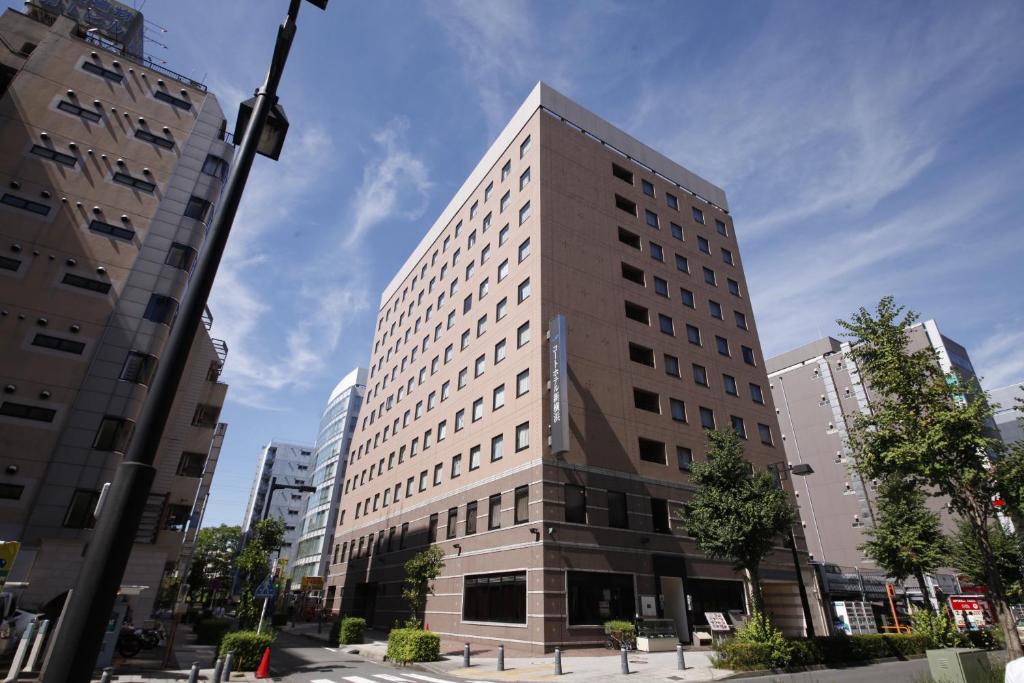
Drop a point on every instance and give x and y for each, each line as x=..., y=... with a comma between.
x=413, y=645
x=760, y=631
x=988, y=639
x=937, y=628
x=248, y=647
x=829, y=650
x=210, y=631
x=351, y=630
x=732, y=654
x=622, y=631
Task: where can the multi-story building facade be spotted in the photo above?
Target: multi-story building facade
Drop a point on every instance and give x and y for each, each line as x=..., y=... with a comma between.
x=337, y=424
x=110, y=165
x=1008, y=415
x=817, y=390
x=550, y=471
x=280, y=490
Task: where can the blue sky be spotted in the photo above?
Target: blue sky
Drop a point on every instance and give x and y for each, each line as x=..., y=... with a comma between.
x=866, y=148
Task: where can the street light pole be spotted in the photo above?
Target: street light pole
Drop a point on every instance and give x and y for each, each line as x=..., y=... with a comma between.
x=89, y=605
x=801, y=470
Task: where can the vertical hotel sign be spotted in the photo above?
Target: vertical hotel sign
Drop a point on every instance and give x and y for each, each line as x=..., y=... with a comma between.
x=559, y=386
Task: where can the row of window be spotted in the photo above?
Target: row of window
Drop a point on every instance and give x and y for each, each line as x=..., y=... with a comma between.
x=395, y=539
x=116, y=75
x=671, y=201
x=392, y=495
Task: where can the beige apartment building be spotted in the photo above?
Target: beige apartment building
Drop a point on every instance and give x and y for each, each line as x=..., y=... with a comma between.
x=549, y=471
x=110, y=167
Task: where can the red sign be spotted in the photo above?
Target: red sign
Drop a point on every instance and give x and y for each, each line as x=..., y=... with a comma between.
x=998, y=502
x=968, y=604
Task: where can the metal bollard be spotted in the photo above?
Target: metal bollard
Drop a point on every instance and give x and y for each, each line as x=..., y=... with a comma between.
x=558, y=661
x=680, y=660
x=465, y=655
x=227, y=666
x=37, y=646
x=193, y=675
x=501, y=658
x=218, y=670
x=105, y=678
x=624, y=659
x=19, y=654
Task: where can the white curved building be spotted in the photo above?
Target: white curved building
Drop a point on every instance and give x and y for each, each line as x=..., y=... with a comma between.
x=336, y=427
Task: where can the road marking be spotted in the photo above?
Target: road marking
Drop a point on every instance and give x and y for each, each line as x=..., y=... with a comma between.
x=389, y=677
x=331, y=649
x=429, y=679
x=357, y=679
x=321, y=680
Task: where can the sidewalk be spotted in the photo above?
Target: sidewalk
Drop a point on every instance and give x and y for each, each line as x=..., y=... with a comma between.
x=643, y=666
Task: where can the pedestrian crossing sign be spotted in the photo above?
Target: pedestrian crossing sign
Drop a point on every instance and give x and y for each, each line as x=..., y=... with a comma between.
x=265, y=589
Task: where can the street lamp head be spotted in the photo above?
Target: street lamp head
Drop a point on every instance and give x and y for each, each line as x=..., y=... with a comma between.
x=801, y=470
x=322, y=4
x=274, y=130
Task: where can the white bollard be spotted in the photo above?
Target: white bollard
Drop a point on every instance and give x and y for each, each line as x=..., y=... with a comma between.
x=19, y=654
x=37, y=647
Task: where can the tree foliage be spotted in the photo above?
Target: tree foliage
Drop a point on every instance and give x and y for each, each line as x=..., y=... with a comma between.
x=906, y=539
x=213, y=563
x=265, y=537
x=737, y=513
x=420, y=572
x=927, y=427
x=1006, y=548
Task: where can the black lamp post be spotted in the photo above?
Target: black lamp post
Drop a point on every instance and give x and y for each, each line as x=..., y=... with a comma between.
x=801, y=470
x=83, y=623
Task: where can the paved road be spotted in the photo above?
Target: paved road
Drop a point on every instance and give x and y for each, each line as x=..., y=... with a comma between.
x=913, y=671
x=302, y=660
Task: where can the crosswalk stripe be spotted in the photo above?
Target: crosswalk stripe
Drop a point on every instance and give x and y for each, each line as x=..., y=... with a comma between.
x=321, y=680
x=389, y=677
x=429, y=679
x=358, y=679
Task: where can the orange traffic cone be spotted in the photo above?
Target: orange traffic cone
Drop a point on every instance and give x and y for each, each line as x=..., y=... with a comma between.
x=264, y=668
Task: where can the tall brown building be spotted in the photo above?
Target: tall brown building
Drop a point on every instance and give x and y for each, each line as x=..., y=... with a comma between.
x=110, y=166
x=549, y=471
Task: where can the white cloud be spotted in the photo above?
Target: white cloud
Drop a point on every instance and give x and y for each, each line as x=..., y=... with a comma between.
x=282, y=330
x=999, y=360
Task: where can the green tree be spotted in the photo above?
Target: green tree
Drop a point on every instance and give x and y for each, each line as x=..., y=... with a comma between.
x=927, y=427
x=736, y=514
x=253, y=565
x=420, y=572
x=1009, y=472
x=966, y=556
x=906, y=539
x=213, y=563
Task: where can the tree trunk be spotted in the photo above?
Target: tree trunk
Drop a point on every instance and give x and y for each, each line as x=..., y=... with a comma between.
x=919, y=575
x=754, y=589
x=998, y=591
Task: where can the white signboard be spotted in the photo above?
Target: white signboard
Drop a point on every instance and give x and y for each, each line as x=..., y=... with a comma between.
x=717, y=621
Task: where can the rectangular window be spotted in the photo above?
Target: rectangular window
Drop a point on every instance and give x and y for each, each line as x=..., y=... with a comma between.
x=54, y=155
x=111, y=230
x=748, y=355
x=8, y=263
x=651, y=219
x=641, y=354
x=506, y=171
x=524, y=290
x=27, y=412
x=181, y=256
x=75, y=110
x=497, y=598
x=666, y=325
x=494, y=511
x=721, y=228
x=453, y=522
x=146, y=136
x=765, y=433
x=652, y=451
x=575, y=504
x=626, y=205
x=741, y=320
x=723, y=345
x=432, y=529
x=629, y=238
x=709, y=277
x=456, y=466
x=138, y=368
x=671, y=366
x=471, y=517
x=737, y=426
x=522, y=436
x=703, y=245
x=734, y=287
x=161, y=309
x=707, y=418
x=86, y=283
x=633, y=274
x=729, y=383
x=170, y=99
x=136, y=183
x=657, y=253
x=191, y=464
x=215, y=166
x=618, y=513
x=113, y=434
x=478, y=410
x=80, y=510
x=677, y=231
x=498, y=397
x=198, y=208
x=524, y=250
x=206, y=415
x=523, y=335
x=727, y=257
x=524, y=213
x=686, y=296
x=698, y=215
x=438, y=474
x=638, y=313
x=684, y=458
x=678, y=409
x=693, y=334
x=756, y=395
x=622, y=174
x=500, y=351
x=596, y=597
x=671, y=200
x=503, y=270
x=47, y=341
x=474, y=458
x=501, y=309
x=646, y=400
x=497, y=448
x=98, y=70
x=700, y=375
x=522, y=383
x=524, y=147
x=647, y=187
x=659, y=516
x=715, y=309
x=522, y=504
x=524, y=179
x=25, y=204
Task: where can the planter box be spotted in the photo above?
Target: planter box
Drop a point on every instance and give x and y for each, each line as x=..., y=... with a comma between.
x=645, y=644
